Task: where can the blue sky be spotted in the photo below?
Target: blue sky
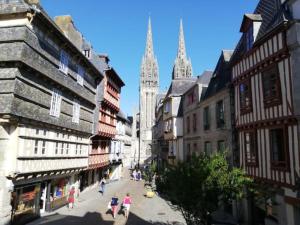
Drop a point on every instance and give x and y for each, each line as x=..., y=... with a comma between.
x=118, y=28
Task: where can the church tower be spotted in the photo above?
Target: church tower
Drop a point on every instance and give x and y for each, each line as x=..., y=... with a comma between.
x=149, y=85
x=183, y=66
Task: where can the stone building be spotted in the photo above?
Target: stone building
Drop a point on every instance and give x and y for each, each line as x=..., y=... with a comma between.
x=160, y=146
x=191, y=115
x=47, y=108
x=149, y=84
x=265, y=74
x=173, y=118
x=212, y=119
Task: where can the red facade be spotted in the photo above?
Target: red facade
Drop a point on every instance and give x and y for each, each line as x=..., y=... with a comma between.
x=109, y=107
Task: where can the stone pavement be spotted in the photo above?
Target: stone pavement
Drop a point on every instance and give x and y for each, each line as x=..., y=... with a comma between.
x=91, y=208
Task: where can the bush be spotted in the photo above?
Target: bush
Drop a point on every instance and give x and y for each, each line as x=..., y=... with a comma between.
x=197, y=187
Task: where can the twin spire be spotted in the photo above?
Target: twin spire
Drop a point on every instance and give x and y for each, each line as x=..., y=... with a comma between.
x=182, y=66
x=149, y=44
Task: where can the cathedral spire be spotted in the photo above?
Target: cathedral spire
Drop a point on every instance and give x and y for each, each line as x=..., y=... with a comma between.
x=149, y=44
x=181, y=44
x=183, y=66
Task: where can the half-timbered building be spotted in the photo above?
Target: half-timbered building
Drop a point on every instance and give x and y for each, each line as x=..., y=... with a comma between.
x=265, y=80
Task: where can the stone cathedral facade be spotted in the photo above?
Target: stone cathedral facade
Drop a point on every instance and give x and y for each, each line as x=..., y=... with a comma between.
x=149, y=87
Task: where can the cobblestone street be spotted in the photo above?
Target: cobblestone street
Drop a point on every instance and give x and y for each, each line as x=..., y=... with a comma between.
x=91, y=208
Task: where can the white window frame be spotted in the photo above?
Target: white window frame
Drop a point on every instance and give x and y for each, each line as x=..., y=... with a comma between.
x=76, y=111
x=55, y=103
x=64, y=62
x=80, y=75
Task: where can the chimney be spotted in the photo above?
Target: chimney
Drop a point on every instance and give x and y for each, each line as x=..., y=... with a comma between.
x=33, y=2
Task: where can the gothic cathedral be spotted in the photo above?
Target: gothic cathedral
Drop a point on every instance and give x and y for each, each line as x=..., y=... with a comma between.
x=149, y=87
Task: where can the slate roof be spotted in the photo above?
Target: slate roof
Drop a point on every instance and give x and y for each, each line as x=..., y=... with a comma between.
x=205, y=77
x=273, y=13
x=180, y=86
x=122, y=116
x=221, y=77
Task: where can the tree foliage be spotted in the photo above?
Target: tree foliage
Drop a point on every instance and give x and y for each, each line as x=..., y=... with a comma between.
x=197, y=187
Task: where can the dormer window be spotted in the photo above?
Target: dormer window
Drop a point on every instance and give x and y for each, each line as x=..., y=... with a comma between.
x=249, y=37
x=250, y=27
x=87, y=53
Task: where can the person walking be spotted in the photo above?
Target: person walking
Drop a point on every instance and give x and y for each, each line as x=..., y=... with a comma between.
x=71, y=198
x=134, y=173
x=114, y=205
x=139, y=175
x=102, y=185
x=126, y=204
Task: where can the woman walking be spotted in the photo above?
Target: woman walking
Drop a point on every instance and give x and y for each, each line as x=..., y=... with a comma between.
x=71, y=198
x=126, y=203
x=114, y=205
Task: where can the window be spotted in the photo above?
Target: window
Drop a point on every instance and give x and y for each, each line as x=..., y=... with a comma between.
x=207, y=147
x=250, y=147
x=271, y=86
x=67, y=149
x=45, y=132
x=194, y=122
x=56, y=148
x=245, y=97
x=36, y=147
x=76, y=111
x=37, y=131
x=62, y=146
x=80, y=150
x=221, y=146
x=87, y=53
x=188, y=155
x=55, y=103
x=80, y=75
x=195, y=147
x=64, y=62
x=190, y=98
x=167, y=107
x=76, y=149
x=220, y=114
x=43, y=147
x=278, y=145
x=250, y=37
x=188, y=124
x=206, y=118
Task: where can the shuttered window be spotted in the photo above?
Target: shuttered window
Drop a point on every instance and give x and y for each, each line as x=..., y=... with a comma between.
x=55, y=103
x=64, y=62
x=76, y=111
x=80, y=75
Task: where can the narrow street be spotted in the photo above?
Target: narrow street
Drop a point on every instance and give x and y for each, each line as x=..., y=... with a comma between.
x=91, y=208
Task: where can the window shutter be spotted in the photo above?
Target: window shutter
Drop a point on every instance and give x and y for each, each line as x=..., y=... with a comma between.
x=80, y=75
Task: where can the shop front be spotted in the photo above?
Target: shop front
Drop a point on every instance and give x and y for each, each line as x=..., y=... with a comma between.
x=25, y=203
x=58, y=193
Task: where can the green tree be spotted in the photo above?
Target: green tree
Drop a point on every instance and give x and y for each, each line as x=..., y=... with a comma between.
x=197, y=187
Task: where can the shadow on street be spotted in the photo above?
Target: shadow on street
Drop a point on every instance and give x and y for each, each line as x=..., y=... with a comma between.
x=95, y=218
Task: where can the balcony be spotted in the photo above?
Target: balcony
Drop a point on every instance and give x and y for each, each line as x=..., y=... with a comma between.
x=111, y=101
x=106, y=130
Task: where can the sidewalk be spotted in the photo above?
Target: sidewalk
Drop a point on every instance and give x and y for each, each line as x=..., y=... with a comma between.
x=91, y=208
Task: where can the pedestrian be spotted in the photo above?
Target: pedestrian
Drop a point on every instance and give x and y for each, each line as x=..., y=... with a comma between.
x=102, y=185
x=139, y=175
x=126, y=204
x=114, y=205
x=134, y=174
x=71, y=198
